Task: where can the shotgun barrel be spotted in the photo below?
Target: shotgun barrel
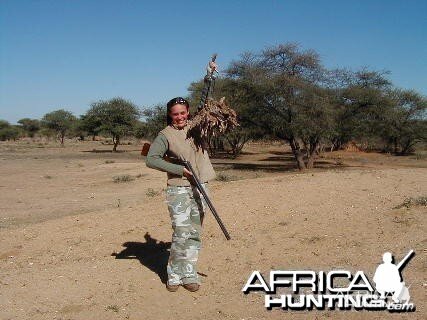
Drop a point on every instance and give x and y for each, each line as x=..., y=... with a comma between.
x=208, y=201
x=405, y=259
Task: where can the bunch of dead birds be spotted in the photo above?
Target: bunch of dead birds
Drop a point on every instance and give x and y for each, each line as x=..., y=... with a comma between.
x=214, y=119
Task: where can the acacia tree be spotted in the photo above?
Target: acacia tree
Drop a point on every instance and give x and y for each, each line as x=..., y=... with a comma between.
x=404, y=123
x=286, y=90
x=236, y=139
x=364, y=103
x=372, y=110
x=90, y=124
x=8, y=131
x=116, y=117
x=155, y=121
x=30, y=126
x=59, y=121
x=314, y=123
x=139, y=130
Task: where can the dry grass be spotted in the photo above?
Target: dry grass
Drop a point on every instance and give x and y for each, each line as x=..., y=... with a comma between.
x=413, y=202
x=123, y=178
x=152, y=193
x=225, y=177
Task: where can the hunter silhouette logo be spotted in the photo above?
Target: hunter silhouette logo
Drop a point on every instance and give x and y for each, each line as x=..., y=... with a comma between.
x=321, y=290
x=387, y=278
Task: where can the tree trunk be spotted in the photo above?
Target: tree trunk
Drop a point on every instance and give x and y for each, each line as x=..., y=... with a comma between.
x=313, y=154
x=298, y=154
x=62, y=138
x=220, y=144
x=236, y=143
x=116, y=141
x=211, y=149
x=406, y=147
x=306, y=145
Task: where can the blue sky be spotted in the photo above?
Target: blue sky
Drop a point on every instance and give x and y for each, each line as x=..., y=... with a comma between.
x=67, y=54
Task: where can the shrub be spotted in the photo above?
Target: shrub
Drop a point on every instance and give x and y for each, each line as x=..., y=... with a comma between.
x=413, y=202
x=123, y=178
x=152, y=193
x=114, y=308
x=224, y=177
x=420, y=155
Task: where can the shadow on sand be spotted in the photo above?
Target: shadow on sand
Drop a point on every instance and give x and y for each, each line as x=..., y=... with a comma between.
x=153, y=254
x=109, y=151
x=279, y=161
x=252, y=166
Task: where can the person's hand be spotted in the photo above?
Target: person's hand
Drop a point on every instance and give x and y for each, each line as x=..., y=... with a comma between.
x=212, y=67
x=187, y=174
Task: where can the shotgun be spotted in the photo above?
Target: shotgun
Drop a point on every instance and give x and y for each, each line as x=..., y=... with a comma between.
x=205, y=196
x=196, y=181
x=405, y=259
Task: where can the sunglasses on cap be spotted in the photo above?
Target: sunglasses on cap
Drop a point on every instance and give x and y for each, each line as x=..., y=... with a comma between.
x=177, y=100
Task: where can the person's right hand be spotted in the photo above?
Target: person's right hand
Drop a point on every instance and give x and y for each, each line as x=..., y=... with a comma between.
x=212, y=67
x=187, y=174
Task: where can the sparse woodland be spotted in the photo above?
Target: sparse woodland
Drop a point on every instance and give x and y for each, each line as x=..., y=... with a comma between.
x=281, y=93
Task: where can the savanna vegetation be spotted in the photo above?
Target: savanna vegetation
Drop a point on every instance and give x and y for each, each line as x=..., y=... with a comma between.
x=280, y=93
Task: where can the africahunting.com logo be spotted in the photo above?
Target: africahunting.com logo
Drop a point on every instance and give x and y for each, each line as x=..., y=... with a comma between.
x=320, y=290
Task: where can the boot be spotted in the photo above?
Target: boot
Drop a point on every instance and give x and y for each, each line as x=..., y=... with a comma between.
x=192, y=287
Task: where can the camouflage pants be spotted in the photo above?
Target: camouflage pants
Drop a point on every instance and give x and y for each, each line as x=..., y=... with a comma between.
x=186, y=206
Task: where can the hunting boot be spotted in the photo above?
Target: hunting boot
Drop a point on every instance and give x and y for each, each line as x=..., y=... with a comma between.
x=172, y=287
x=192, y=287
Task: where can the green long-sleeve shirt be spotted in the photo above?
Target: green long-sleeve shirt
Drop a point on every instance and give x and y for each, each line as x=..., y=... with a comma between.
x=155, y=157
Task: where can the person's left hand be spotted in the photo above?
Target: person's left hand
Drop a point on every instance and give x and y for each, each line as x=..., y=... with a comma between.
x=187, y=174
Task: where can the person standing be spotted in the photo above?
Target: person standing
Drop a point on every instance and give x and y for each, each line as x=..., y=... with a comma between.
x=185, y=203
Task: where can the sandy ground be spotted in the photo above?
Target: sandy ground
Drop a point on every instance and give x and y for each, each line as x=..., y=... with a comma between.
x=76, y=245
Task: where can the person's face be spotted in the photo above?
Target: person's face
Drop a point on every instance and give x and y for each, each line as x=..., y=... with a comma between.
x=179, y=115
